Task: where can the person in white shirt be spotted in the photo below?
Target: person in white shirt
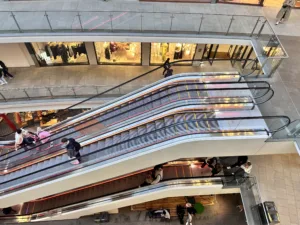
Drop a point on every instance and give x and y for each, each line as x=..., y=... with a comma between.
x=247, y=167
x=21, y=139
x=158, y=174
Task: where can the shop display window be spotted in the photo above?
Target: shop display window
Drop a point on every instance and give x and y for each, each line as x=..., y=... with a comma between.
x=118, y=52
x=175, y=51
x=60, y=53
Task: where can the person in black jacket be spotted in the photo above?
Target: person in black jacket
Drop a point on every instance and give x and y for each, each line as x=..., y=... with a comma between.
x=5, y=70
x=73, y=148
x=241, y=160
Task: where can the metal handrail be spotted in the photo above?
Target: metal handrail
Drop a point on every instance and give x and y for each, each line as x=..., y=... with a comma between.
x=154, y=131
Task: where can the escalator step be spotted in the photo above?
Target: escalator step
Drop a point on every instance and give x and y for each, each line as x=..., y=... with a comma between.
x=133, y=133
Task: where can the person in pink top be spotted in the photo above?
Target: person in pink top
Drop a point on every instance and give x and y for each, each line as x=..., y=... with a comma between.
x=43, y=135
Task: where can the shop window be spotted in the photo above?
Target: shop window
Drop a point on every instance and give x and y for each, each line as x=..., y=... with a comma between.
x=175, y=51
x=60, y=53
x=118, y=53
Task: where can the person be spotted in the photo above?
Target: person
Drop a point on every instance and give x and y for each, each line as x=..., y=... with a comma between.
x=247, y=167
x=21, y=140
x=285, y=11
x=244, y=170
x=2, y=79
x=191, y=212
x=168, y=73
x=43, y=135
x=5, y=70
x=166, y=65
x=157, y=174
x=180, y=211
x=148, y=181
x=216, y=169
x=8, y=210
x=73, y=148
x=241, y=160
x=211, y=162
x=155, y=177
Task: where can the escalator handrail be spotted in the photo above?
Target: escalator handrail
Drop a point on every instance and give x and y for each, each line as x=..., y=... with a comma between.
x=213, y=180
x=144, y=74
x=159, y=91
x=178, y=123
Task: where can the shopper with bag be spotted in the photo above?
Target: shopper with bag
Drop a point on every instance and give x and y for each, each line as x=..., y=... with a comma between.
x=73, y=148
x=285, y=11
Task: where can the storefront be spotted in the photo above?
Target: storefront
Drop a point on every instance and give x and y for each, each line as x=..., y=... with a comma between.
x=44, y=118
x=59, y=53
x=160, y=52
x=122, y=53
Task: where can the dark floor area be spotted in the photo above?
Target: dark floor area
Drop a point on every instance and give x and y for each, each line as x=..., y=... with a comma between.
x=223, y=212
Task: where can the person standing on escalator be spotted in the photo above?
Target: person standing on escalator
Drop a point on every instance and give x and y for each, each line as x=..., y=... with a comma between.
x=73, y=148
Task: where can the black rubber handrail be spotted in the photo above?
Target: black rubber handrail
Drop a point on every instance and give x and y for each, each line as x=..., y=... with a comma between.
x=268, y=88
x=172, y=125
x=144, y=74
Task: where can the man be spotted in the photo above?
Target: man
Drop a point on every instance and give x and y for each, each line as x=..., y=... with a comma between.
x=5, y=70
x=73, y=148
x=21, y=140
x=167, y=66
x=241, y=160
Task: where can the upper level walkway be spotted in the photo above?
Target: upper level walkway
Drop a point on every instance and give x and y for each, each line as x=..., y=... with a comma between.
x=116, y=16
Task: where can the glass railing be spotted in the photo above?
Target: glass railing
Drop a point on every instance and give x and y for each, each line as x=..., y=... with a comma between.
x=257, y=28
x=289, y=133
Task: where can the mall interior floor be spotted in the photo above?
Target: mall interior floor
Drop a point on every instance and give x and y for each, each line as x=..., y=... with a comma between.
x=108, y=75
x=224, y=211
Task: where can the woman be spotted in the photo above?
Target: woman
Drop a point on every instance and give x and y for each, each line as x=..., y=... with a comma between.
x=285, y=11
x=43, y=135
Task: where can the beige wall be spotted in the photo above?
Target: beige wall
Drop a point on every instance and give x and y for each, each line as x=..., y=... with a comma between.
x=13, y=55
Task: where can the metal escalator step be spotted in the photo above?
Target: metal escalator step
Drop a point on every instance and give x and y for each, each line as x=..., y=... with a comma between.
x=180, y=128
x=133, y=133
x=108, y=142
x=174, y=96
x=125, y=136
x=193, y=94
x=178, y=118
x=169, y=120
x=157, y=103
x=159, y=123
x=100, y=144
x=189, y=116
x=150, y=127
x=116, y=138
x=142, y=130
x=155, y=96
x=93, y=147
x=170, y=131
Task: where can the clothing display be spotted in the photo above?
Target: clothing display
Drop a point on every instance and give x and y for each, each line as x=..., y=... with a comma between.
x=175, y=51
x=118, y=52
x=53, y=53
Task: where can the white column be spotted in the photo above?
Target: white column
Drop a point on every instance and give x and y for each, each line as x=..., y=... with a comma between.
x=90, y=49
x=146, y=53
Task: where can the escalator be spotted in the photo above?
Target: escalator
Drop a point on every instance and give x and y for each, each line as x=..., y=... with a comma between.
x=117, y=191
x=239, y=96
x=116, y=148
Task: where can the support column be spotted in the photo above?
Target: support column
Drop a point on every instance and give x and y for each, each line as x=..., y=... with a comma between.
x=8, y=122
x=90, y=49
x=146, y=48
x=198, y=54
